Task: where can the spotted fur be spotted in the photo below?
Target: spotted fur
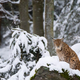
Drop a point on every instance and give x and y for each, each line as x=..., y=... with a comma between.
x=65, y=53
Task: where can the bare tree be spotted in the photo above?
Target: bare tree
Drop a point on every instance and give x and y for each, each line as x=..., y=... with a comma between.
x=38, y=17
x=49, y=24
x=23, y=8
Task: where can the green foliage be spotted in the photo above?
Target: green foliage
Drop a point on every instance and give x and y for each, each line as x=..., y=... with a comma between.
x=48, y=64
x=28, y=45
x=66, y=75
x=45, y=68
x=34, y=75
x=78, y=77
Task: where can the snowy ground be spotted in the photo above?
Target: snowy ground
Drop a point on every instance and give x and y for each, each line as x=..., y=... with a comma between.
x=76, y=48
x=54, y=63
x=5, y=53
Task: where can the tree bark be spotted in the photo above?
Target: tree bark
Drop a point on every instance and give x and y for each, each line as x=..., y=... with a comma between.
x=0, y=29
x=23, y=8
x=38, y=17
x=0, y=32
x=49, y=8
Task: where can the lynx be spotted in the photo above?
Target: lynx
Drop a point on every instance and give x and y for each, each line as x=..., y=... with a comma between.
x=65, y=53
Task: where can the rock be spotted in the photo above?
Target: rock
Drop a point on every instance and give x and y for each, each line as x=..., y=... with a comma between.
x=44, y=74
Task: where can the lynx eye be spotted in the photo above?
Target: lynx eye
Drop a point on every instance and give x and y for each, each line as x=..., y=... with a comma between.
x=72, y=60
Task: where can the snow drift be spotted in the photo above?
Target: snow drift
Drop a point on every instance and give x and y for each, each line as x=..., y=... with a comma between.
x=27, y=54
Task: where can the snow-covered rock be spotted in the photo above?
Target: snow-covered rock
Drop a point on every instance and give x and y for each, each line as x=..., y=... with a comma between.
x=14, y=67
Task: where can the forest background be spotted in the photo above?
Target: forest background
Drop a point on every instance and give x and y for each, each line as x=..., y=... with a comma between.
x=25, y=28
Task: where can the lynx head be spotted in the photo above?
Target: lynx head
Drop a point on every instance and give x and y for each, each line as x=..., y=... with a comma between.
x=58, y=44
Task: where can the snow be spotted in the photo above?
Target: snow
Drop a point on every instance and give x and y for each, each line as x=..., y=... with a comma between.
x=8, y=14
x=76, y=48
x=13, y=2
x=55, y=64
x=78, y=9
x=8, y=61
x=5, y=52
x=78, y=1
x=5, y=69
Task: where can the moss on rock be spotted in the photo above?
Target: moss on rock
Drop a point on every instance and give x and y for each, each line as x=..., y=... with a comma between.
x=44, y=74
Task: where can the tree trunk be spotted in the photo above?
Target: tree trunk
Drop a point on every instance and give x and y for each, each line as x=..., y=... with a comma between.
x=49, y=8
x=0, y=32
x=23, y=8
x=0, y=29
x=38, y=17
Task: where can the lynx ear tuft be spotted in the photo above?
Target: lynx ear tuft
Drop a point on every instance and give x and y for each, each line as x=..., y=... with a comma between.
x=62, y=38
x=53, y=38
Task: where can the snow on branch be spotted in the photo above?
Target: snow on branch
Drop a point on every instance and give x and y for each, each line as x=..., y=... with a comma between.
x=26, y=51
x=9, y=15
x=25, y=42
x=13, y=2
